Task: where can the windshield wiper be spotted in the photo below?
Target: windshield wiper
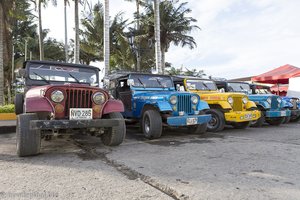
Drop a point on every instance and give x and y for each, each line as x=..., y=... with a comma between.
x=160, y=83
x=43, y=78
x=206, y=86
x=76, y=79
x=141, y=82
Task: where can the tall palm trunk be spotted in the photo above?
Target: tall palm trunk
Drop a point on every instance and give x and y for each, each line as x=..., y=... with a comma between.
x=41, y=44
x=157, y=36
x=1, y=55
x=106, y=37
x=76, y=54
x=66, y=31
x=163, y=57
x=138, y=54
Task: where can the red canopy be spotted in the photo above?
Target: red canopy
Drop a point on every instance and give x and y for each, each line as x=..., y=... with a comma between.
x=279, y=75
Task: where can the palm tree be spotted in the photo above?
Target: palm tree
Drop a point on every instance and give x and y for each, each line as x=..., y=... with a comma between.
x=41, y=38
x=106, y=37
x=77, y=45
x=66, y=2
x=175, y=25
x=2, y=15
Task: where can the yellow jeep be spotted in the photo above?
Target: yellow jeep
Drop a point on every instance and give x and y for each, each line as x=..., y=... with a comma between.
x=225, y=108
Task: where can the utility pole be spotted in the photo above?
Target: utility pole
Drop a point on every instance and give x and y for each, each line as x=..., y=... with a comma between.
x=157, y=36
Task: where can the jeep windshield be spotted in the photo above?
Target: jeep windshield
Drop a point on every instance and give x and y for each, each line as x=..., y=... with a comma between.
x=151, y=81
x=201, y=85
x=259, y=89
x=239, y=87
x=51, y=73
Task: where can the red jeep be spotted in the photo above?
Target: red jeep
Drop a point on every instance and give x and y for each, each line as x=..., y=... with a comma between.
x=63, y=99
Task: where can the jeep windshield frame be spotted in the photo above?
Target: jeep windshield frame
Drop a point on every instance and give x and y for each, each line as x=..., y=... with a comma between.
x=145, y=81
x=239, y=87
x=198, y=84
x=40, y=73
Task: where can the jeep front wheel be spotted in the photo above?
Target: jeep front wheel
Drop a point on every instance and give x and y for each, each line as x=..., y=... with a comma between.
x=152, y=124
x=28, y=141
x=241, y=125
x=259, y=122
x=217, y=122
x=115, y=135
x=19, y=101
x=276, y=121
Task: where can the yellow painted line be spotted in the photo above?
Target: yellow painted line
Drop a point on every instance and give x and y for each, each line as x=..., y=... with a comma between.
x=8, y=116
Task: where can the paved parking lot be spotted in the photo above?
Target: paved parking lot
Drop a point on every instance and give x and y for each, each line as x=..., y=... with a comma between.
x=260, y=163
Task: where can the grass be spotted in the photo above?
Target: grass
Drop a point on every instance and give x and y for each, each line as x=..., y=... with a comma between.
x=10, y=108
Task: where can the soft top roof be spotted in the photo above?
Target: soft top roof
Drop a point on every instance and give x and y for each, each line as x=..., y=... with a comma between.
x=119, y=75
x=180, y=78
x=59, y=64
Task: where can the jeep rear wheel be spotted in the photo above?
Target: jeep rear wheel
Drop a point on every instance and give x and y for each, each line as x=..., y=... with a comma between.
x=286, y=119
x=152, y=124
x=241, y=125
x=296, y=119
x=28, y=141
x=198, y=129
x=115, y=135
x=217, y=122
x=19, y=101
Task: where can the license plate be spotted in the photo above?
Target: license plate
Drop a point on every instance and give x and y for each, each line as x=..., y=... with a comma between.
x=191, y=121
x=81, y=113
x=248, y=116
x=283, y=113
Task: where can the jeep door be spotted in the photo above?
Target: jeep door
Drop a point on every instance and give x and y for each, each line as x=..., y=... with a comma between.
x=124, y=93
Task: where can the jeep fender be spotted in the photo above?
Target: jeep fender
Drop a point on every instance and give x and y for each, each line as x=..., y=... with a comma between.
x=263, y=104
x=161, y=106
x=202, y=105
x=225, y=105
x=113, y=105
x=38, y=104
x=250, y=104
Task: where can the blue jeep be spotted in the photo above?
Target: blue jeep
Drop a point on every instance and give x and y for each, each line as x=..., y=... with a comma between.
x=152, y=101
x=272, y=106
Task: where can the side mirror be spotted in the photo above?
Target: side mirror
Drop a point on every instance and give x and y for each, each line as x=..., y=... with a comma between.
x=130, y=82
x=21, y=73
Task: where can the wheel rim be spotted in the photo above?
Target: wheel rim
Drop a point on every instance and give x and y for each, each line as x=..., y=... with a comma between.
x=147, y=124
x=213, y=122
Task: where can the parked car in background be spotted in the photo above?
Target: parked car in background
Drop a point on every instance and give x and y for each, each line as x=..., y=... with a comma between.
x=225, y=108
x=271, y=106
x=291, y=103
x=152, y=101
x=64, y=99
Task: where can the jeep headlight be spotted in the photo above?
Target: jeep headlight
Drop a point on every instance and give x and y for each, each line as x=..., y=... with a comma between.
x=57, y=96
x=230, y=100
x=279, y=100
x=245, y=100
x=194, y=99
x=269, y=100
x=173, y=99
x=98, y=98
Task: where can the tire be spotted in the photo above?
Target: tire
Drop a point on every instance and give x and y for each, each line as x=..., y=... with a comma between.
x=114, y=136
x=152, y=124
x=217, y=122
x=19, y=101
x=286, y=119
x=259, y=122
x=198, y=129
x=276, y=122
x=28, y=141
x=297, y=119
x=241, y=125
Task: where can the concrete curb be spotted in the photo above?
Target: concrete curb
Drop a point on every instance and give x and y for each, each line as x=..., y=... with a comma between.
x=7, y=126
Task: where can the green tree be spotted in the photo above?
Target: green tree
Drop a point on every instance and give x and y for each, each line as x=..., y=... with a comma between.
x=175, y=25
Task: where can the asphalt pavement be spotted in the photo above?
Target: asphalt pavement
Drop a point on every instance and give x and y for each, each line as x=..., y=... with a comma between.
x=256, y=163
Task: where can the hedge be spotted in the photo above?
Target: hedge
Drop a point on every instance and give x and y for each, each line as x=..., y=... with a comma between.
x=10, y=108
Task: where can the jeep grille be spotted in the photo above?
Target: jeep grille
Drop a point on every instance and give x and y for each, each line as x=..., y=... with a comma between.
x=78, y=98
x=274, y=103
x=184, y=103
x=237, y=104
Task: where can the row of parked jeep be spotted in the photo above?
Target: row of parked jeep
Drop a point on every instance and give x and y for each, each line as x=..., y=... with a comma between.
x=63, y=99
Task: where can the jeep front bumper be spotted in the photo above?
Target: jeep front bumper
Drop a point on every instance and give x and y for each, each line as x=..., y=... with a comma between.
x=280, y=113
x=73, y=124
x=242, y=116
x=187, y=120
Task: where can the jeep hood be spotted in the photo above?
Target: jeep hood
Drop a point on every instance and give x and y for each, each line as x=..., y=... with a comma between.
x=157, y=94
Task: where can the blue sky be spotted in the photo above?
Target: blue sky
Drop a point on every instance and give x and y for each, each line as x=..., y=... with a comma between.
x=238, y=38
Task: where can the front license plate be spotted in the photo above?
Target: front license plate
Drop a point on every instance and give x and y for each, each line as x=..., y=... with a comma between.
x=81, y=113
x=283, y=113
x=248, y=116
x=191, y=121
